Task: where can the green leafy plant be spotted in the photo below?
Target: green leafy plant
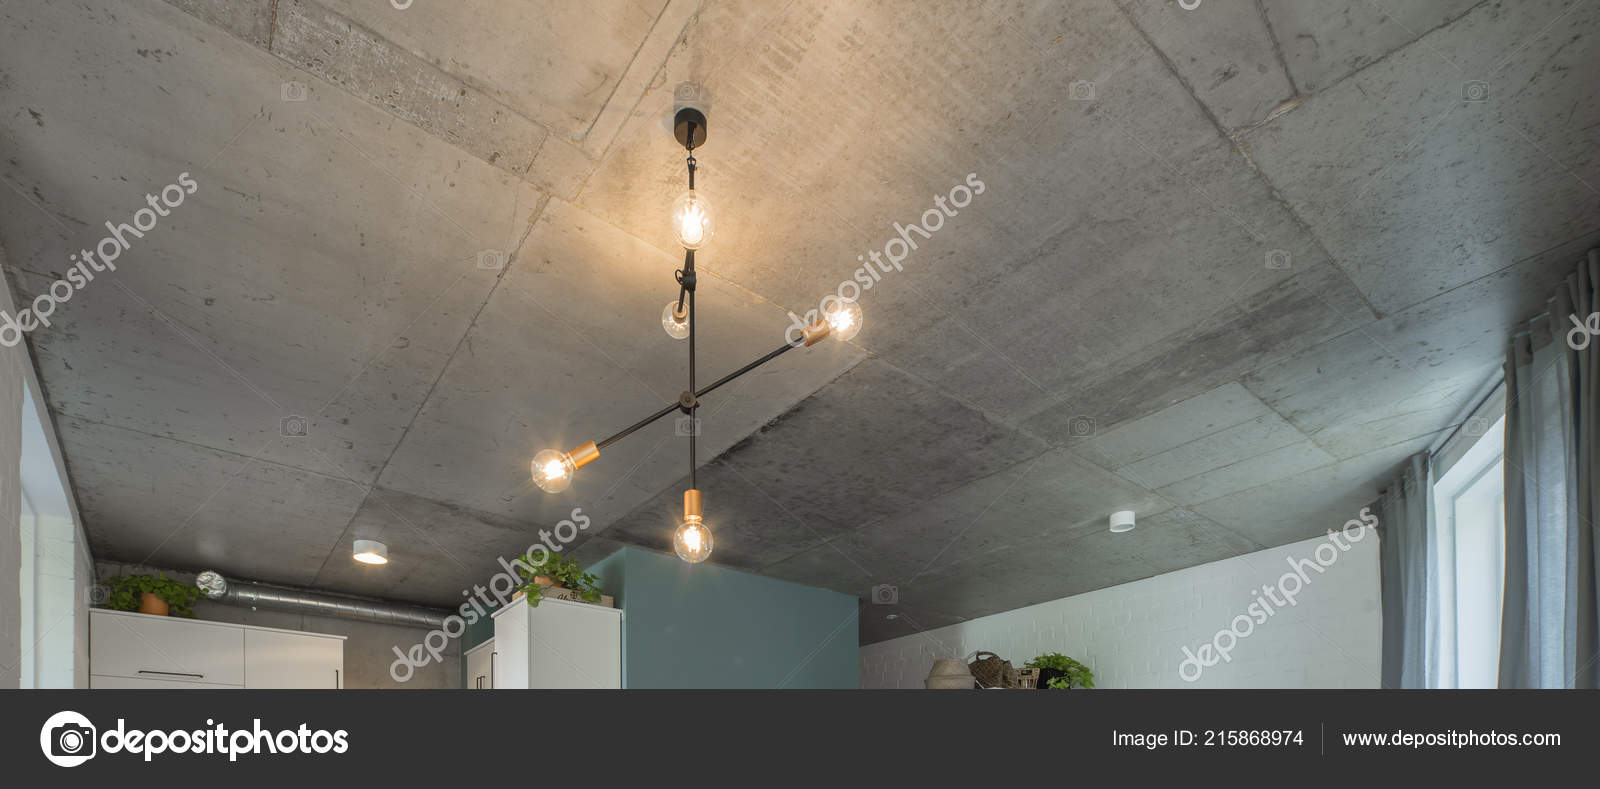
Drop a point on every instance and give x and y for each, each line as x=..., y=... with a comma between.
x=1072, y=673
x=563, y=571
x=123, y=593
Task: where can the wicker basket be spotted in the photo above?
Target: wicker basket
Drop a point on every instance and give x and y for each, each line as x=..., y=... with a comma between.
x=1027, y=679
x=992, y=671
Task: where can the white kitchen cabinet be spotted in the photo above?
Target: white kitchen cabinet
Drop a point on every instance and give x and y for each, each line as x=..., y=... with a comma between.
x=480, y=666
x=127, y=683
x=141, y=646
x=283, y=659
x=559, y=644
x=129, y=650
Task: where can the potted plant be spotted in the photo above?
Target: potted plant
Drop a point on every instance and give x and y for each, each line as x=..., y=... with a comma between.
x=556, y=570
x=151, y=594
x=1059, y=672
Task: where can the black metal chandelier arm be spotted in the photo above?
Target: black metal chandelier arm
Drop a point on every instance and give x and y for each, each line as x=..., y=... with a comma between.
x=708, y=389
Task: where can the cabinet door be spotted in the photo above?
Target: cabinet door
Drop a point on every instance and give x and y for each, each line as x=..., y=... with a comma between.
x=159, y=647
x=511, y=642
x=129, y=683
x=574, y=645
x=480, y=666
x=292, y=660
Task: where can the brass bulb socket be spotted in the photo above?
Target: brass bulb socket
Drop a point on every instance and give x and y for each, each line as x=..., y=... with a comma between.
x=816, y=332
x=583, y=454
x=691, y=505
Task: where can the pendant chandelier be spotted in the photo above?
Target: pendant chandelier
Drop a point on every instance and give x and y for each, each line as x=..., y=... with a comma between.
x=693, y=224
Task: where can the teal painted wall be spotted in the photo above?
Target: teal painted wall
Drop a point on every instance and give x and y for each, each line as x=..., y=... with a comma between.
x=701, y=626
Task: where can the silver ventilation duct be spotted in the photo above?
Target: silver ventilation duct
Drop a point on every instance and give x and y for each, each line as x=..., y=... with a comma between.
x=280, y=598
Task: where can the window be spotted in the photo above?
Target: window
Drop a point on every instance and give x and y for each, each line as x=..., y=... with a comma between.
x=51, y=562
x=1469, y=558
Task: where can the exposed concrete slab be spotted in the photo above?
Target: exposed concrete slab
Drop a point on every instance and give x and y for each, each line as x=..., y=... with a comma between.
x=1309, y=504
x=1300, y=313
x=433, y=547
x=1222, y=449
x=1431, y=188
x=1176, y=426
x=175, y=504
x=1263, y=467
x=1223, y=51
x=1052, y=495
x=403, y=83
x=876, y=423
x=283, y=286
x=524, y=53
x=1324, y=42
x=250, y=20
x=1366, y=387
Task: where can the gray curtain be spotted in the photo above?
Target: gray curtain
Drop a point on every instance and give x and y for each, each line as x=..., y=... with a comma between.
x=1405, y=564
x=1549, y=631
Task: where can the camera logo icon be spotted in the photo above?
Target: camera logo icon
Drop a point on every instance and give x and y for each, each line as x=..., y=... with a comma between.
x=1080, y=426
x=885, y=594
x=1279, y=259
x=1081, y=90
x=492, y=259
x=67, y=739
x=1477, y=426
x=1475, y=91
x=292, y=426
x=686, y=426
x=292, y=91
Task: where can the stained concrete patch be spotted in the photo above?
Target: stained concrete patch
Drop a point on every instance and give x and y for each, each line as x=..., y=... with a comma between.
x=1324, y=42
x=524, y=55
x=1223, y=51
x=349, y=56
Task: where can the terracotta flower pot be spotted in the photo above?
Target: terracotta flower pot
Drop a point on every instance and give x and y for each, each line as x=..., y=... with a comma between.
x=150, y=604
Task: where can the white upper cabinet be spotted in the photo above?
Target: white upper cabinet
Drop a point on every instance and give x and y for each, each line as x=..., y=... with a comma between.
x=128, y=650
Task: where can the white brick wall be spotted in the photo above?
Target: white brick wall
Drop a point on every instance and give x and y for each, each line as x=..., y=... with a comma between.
x=1132, y=636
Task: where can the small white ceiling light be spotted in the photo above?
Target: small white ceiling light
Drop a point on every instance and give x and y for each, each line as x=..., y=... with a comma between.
x=371, y=552
x=1122, y=521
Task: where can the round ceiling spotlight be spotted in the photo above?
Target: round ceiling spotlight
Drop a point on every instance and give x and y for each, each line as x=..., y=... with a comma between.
x=371, y=552
x=1122, y=521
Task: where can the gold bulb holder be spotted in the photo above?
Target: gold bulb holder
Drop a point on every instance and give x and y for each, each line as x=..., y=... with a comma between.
x=584, y=454
x=680, y=311
x=816, y=332
x=691, y=506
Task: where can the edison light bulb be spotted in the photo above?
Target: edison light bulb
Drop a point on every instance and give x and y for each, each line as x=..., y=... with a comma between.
x=675, y=322
x=692, y=541
x=845, y=321
x=692, y=220
x=553, y=470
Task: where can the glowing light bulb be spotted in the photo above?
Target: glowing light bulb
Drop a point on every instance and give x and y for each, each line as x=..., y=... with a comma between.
x=692, y=541
x=552, y=470
x=844, y=322
x=692, y=220
x=676, y=323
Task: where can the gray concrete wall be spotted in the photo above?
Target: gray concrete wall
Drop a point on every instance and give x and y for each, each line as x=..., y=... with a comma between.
x=368, y=647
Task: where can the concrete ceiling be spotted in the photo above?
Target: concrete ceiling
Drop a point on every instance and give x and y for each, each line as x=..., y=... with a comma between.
x=1267, y=254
